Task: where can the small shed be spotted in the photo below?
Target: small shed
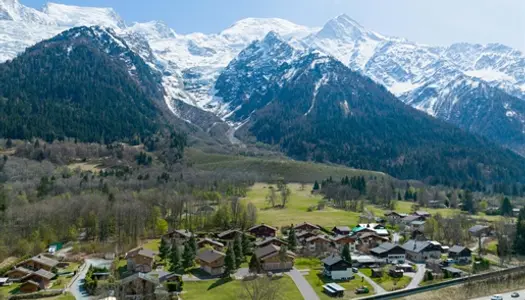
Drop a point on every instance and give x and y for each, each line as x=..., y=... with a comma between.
x=455, y=273
x=334, y=289
x=29, y=286
x=377, y=273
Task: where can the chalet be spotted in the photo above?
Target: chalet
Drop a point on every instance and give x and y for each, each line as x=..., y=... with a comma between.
x=262, y=230
x=306, y=227
x=395, y=216
x=140, y=260
x=460, y=254
x=211, y=261
x=38, y=262
x=170, y=277
x=358, y=230
x=382, y=232
x=42, y=277
x=337, y=268
x=341, y=230
x=29, y=287
x=270, y=241
x=341, y=240
x=479, y=230
x=271, y=259
x=138, y=286
x=411, y=218
x=417, y=225
x=391, y=253
x=423, y=214
x=178, y=234
x=18, y=273
x=318, y=243
x=420, y=251
x=207, y=242
x=304, y=235
x=369, y=240
x=229, y=234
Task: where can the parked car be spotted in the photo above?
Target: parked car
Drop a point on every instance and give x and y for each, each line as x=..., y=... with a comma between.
x=515, y=295
x=362, y=290
x=496, y=297
x=355, y=270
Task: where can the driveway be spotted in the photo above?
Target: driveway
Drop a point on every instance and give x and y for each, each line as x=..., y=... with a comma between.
x=417, y=278
x=304, y=287
x=377, y=287
x=76, y=287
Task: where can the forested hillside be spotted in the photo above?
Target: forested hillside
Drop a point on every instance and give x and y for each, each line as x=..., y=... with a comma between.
x=84, y=83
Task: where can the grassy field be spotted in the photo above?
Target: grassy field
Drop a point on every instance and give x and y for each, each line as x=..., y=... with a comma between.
x=224, y=290
x=316, y=280
x=9, y=290
x=387, y=282
x=296, y=210
x=272, y=168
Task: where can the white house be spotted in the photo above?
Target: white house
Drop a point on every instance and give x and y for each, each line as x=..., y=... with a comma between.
x=337, y=268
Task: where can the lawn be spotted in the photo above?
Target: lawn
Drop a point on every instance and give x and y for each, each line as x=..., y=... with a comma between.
x=307, y=263
x=317, y=281
x=222, y=289
x=65, y=296
x=72, y=267
x=9, y=290
x=152, y=245
x=387, y=282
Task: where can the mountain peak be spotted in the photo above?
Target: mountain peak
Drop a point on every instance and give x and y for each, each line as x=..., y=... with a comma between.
x=346, y=29
x=70, y=16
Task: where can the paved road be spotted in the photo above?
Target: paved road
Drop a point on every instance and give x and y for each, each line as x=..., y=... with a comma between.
x=506, y=296
x=377, y=287
x=77, y=286
x=418, y=277
x=304, y=287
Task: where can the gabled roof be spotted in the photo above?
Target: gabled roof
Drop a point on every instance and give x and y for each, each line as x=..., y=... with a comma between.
x=318, y=237
x=143, y=276
x=262, y=225
x=384, y=247
x=342, y=228
x=308, y=224
x=227, y=232
x=184, y=232
x=210, y=255
x=269, y=240
x=411, y=218
x=382, y=232
x=303, y=233
x=269, y=251
x=372, y=234
x=44, y=274
x=417, y=223
x=142, y=252
x=31, y=282
x=422, y=213
x=208, y=240
x=457, y=249
x=340, y=237
x=20, y=269
x=416, y=246
x=41, y=259
x=168, y=276
x=389, y=213
x=332, y=260
x=478, y=228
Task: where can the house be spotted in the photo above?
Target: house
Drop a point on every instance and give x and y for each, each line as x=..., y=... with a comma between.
x=211, y=261
x=394, y=272
x=337, y=268
x=479, y=230
x=138, y=286
x=39, y=262
x=140, y=260
x=341, y=240
x=262, y=230
x=365, y=261
x=306, y=227
x=377, y=273
x=382, y=232
x=358, y=230
x=394, y=216
x=515, y=212
x=271, y=259
x=423, y=214
x=369, y=240
x=391, y=253
x=18, y=273
x=341, y=230
x=29, y=287
x=229, y=234
x=411, y=218
x=271, y=240
x=420, y=251
x=42, y=277
x=207, y=242
x=304, y=235
x=318, y=243
x=170, y=277
x=417, y=225
x=460, y=254
x=178, y=234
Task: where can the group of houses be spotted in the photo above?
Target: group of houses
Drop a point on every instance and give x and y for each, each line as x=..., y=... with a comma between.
x=34, y=274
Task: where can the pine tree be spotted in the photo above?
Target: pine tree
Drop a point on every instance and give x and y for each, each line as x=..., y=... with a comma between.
x=237, y=248
x=506, y=207
x=255, y=265
x=345, y=253
x=292, y=239
x=175, y=259
x=316, y=186
x=468, y=202
x=519, y=243
x=193, y=245
x=188, y=256
x=229, y=261
x=164, y=249
x=246, y=244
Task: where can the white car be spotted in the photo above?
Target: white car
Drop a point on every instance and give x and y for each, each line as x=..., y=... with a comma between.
x=496, y=297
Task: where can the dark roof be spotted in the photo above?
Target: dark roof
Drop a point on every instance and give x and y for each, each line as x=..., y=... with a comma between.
x=21, y=269
x=210, y=255
x=45, y=274
x=147, y=253
x=372, y=234
x=31, y=282
x=416, y=246
x=184, y=232
x=340, y=236
x=342, y=228
x=321, y=237
x=411, y=218
x=457, y=249
x=262, y=225
x=306, y=223
x=44, y=260
x=163, y=277
x=332, y=260
x=227, y=232
x=302, y=233
x=211, y=242
x=143, y=276
x=384, y=247
x=269, y=250
x=269, y=240
x=478, y=228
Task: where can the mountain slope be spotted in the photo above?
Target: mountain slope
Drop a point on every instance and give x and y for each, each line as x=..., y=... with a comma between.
x=84, y=83
x=316, y=108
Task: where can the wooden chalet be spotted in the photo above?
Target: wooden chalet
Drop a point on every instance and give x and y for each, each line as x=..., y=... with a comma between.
x=140, y=260
x=270, y=241
x=39, y=262
x=262, y=230
x=306, y=227
x=341, y=230
x=207, y=242
x=271, y=260
x=229, y=235
x=211, y=261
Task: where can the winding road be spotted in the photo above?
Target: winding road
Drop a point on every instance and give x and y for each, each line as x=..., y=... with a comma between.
x=76, y=287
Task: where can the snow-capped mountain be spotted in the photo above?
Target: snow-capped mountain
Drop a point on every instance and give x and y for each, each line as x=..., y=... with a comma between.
x=443, y=81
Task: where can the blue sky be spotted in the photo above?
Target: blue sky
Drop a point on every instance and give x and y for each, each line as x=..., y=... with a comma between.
x=438, y=22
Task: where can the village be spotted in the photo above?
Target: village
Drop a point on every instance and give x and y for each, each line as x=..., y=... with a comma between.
x=342, y=261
